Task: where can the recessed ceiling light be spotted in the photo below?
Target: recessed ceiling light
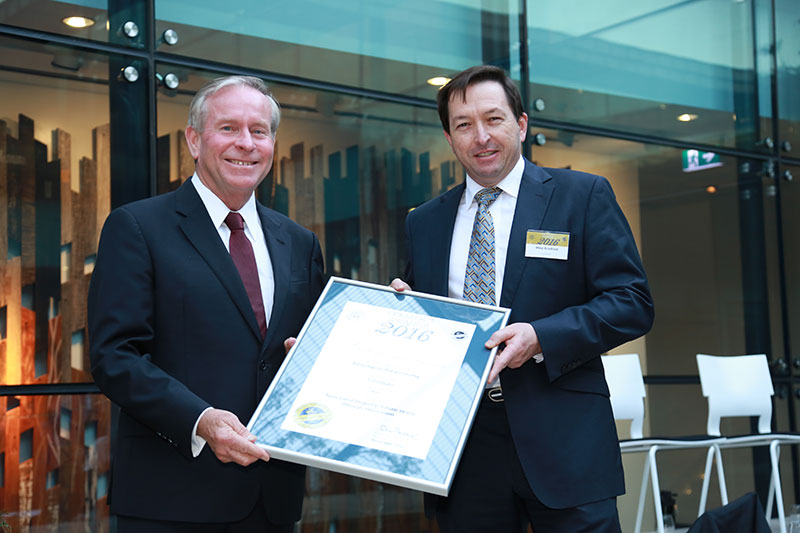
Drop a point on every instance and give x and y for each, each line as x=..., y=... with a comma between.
x=78, y=22
x=711, y=189
x=438, y=81
x=687, y=117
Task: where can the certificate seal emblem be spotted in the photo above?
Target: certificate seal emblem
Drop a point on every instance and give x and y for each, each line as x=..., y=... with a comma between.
x=312, y=415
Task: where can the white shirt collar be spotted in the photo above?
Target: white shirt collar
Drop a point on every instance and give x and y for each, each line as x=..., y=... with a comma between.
x=509, y=184
x=217, y=209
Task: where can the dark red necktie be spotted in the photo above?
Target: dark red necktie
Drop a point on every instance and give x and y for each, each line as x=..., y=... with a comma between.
x=245, y=261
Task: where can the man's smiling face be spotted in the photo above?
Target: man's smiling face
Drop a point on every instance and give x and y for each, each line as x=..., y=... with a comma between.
x=234, y=150
x=484, y=134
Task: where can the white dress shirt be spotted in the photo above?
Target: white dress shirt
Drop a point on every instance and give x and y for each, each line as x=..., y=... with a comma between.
x=217, y=210
x=502, y=210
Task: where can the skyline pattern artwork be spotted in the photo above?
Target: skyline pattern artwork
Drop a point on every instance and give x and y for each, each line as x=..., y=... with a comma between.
x=49, y=237
x=357, y=210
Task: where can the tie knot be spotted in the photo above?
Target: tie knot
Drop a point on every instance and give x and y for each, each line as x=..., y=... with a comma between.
x=485, y=197
x=234, y=221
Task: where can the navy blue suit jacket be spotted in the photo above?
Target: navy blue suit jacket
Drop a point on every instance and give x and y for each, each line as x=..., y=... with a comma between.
x=171, y=333
x=559, y=412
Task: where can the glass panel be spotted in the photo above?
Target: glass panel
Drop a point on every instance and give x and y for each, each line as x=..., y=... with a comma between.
x=687, y=227
x=86, y=19
x=787, y=21
x=671, y=68
x=381, y=45
x=790, y=200
x=781, y=222
x=785, y=320
x=55, y=187
x=347, y=168
x=53, y=482
x=790, y=228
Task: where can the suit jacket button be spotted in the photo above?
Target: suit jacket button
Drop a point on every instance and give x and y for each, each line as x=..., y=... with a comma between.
x=263, y=365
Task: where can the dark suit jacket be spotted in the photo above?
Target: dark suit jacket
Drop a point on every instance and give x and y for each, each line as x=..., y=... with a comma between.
x=171, y=333
x=558, y=411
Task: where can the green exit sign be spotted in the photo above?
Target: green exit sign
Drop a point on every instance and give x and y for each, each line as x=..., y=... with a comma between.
x=694, y=160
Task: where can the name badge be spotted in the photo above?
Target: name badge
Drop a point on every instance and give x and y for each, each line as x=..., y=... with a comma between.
x=547, y=244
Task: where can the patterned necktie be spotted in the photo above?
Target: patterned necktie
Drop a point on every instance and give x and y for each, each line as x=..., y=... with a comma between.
x=480, y=277
x=245, y=261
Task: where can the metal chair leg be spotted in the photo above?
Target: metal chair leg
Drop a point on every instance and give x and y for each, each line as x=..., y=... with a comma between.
x=723, y=487
x=656, y=489
x=642, y=495
x=706, y=481
x=774, y=456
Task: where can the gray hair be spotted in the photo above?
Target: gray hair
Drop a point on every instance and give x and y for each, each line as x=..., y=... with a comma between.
x=198, y=111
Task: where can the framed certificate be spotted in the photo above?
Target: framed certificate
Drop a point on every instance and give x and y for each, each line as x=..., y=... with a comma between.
x=380, y=384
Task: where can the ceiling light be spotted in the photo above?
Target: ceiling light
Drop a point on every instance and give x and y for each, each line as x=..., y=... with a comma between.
x=438, y=81
x=711, y=189
x=687, y=117
x=78, y=22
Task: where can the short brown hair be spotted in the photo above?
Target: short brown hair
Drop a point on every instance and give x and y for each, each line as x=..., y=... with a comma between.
x=459, y=84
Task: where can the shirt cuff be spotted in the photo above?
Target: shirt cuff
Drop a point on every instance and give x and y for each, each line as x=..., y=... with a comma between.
x=538, y=358
x=198, y=442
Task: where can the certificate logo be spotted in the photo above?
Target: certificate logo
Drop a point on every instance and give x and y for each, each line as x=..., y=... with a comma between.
x=312, y=415
x=458, y=335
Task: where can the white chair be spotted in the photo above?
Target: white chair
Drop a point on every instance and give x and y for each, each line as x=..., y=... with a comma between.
x=626, y=385
x=740, y=385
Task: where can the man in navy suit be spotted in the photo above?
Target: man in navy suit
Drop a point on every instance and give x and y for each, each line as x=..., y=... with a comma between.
x=186, y=342
x=543, y=448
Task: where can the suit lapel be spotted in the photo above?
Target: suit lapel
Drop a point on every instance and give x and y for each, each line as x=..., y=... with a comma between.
x=198, y=228
x=442, y=238
x=535, y=191
x=280, y=257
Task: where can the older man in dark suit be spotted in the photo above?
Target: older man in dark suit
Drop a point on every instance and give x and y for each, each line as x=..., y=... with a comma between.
x=553, y=246
x=191, y=299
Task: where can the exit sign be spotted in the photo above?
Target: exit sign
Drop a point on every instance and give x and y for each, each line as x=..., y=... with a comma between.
x=694, y=160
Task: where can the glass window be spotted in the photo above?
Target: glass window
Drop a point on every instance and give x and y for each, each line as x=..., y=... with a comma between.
x=675, y=69
x=787, y=21
x=786, y=333
x=25, y=445
x=682, y=221
x=65, y=423
x=90, y=434
x=83, y=19
x=381, y=45
x=57, y=481
x=12, y=402
x=689, y=211
x=52, y=479
x=348, y=168
x=55, y=175
x=790, y=199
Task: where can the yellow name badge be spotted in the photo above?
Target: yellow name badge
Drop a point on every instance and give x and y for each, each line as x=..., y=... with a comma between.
x=547, y=244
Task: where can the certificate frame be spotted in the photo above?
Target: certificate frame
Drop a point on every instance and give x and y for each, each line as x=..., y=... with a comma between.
x=433, y=471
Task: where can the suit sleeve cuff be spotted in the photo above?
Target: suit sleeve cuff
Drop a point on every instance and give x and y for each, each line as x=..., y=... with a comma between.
x=198, y=442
